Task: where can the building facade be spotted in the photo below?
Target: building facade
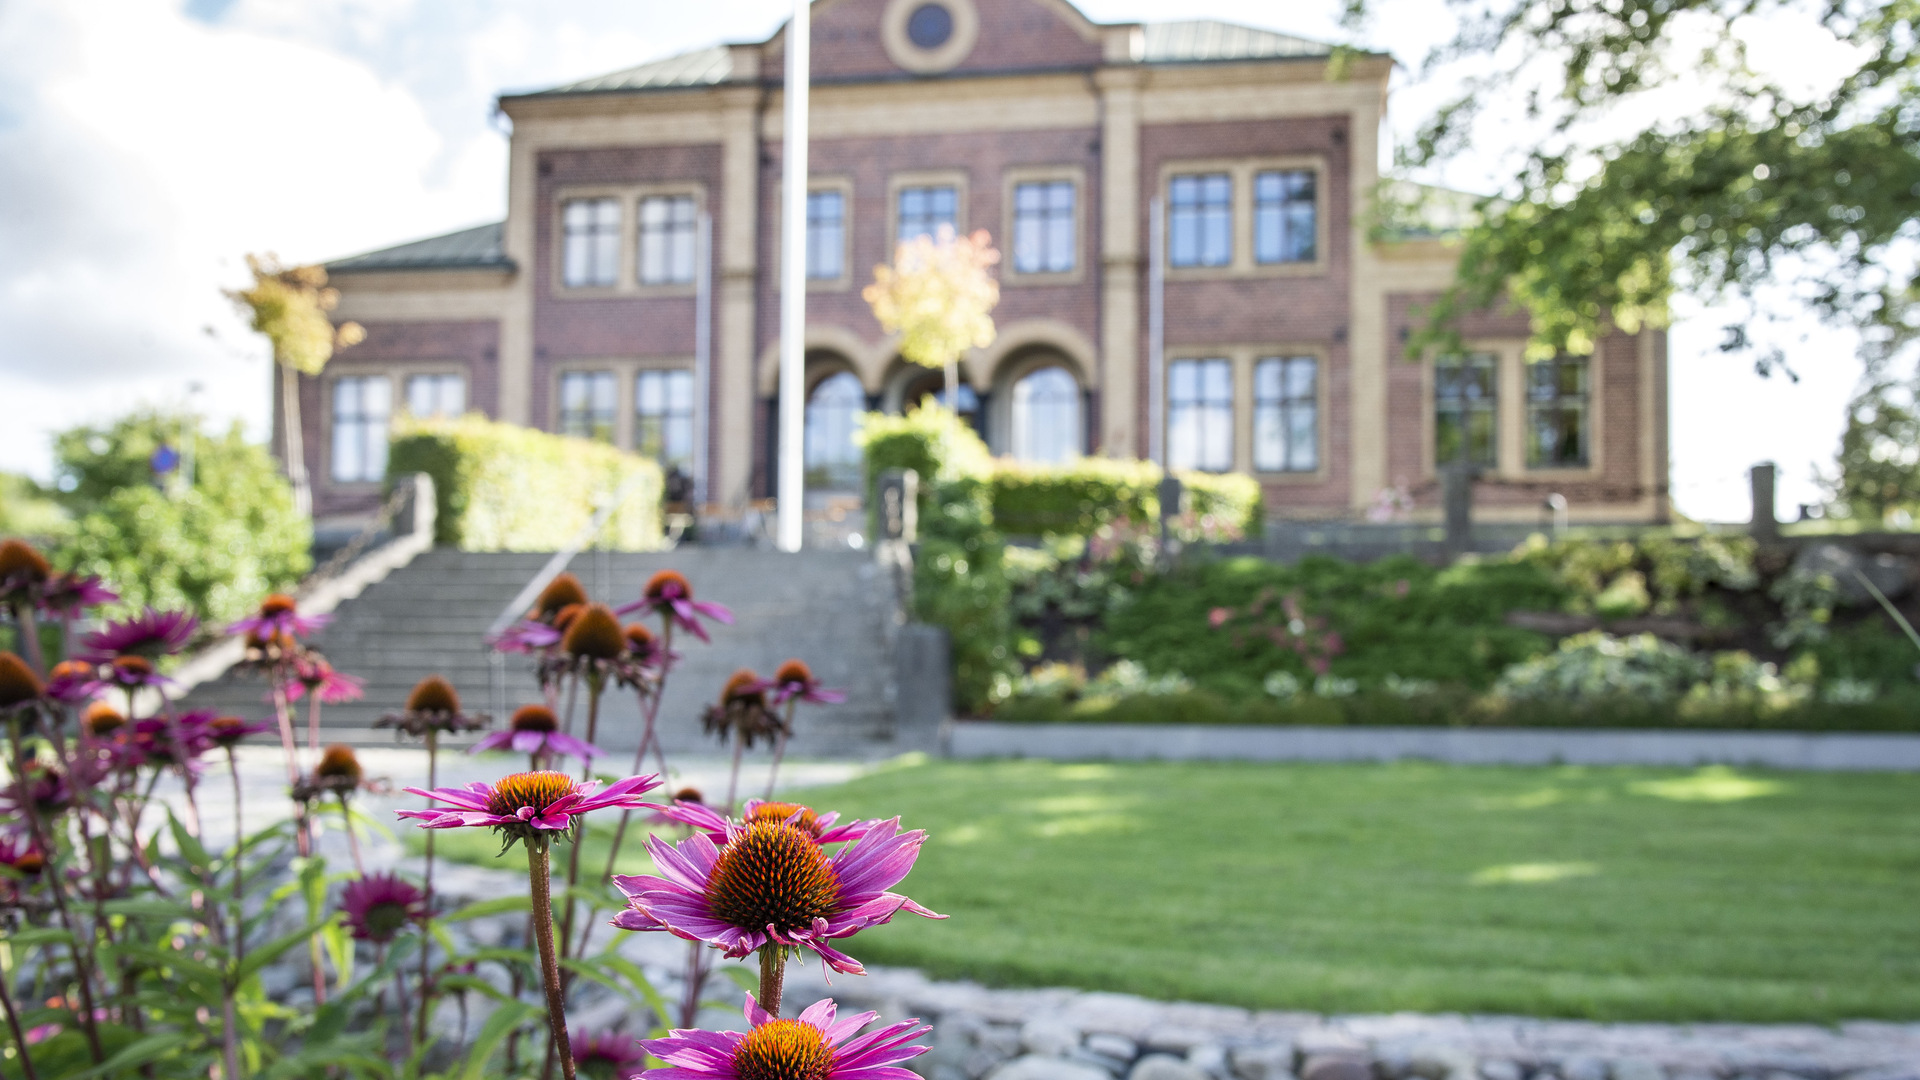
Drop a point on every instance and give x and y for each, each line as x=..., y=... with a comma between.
x=632, y=292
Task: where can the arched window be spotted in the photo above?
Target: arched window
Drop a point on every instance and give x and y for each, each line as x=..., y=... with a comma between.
x=933, y=384
x=833, y=416
x=1046, y=416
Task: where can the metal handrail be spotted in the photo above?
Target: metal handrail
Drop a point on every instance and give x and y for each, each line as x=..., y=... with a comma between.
x=551, y=569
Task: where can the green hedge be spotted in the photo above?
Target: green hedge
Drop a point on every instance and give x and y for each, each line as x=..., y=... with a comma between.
x=1457, y=707
x=505, y=488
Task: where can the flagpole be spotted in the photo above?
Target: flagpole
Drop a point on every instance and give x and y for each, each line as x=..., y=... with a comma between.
x=793, y=283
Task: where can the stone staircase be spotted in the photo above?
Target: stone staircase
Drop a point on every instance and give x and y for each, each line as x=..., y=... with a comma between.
x=834, y=609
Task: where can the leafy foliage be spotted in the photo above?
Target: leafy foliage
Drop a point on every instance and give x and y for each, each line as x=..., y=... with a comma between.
x=289, y=305
x=1879, y=464
x=28, y=510
x=212, y=546
x=1761, y=178
x=505, y=488
x=938, y=296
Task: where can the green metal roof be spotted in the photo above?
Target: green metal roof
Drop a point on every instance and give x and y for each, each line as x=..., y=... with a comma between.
x=478, y=248
x=1191, y=41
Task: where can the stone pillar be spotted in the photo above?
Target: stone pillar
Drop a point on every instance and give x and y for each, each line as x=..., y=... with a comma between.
x=1765, y=525
x=1121, y=206
x=1456, y=487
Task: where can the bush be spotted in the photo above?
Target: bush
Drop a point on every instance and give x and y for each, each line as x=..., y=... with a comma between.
x=213, y=547
x=1082, y=497
x=505, y=488
x=1596, y=666
x=1230, y=623
x=26, y=510
x=960, y=582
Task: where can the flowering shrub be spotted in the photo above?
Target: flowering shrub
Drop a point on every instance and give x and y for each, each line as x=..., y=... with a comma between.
x=136, y=947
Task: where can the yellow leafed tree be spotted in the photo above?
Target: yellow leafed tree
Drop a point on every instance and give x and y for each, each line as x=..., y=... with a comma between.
x=289, y=305
x=938, y=296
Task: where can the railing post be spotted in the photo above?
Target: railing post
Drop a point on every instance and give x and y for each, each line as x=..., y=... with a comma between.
x=1765, y=526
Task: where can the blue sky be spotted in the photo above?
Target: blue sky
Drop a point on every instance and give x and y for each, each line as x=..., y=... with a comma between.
x=146, y=145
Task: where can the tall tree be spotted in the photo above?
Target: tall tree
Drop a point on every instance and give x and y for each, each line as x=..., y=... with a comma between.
x=1658, y=156
x=289, y=305
x=939, y=296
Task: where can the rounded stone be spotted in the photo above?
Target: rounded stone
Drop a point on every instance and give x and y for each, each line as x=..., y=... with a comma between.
x=1336, y=1068
x=1051, y=1038
x=1165, y=1067
x=1036, y=1067
x=1118, y=1047
x=1270, y=1062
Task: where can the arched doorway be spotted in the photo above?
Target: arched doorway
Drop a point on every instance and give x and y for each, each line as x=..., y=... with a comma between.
x=832, y=458
x=1047, y=422
x=923, y=383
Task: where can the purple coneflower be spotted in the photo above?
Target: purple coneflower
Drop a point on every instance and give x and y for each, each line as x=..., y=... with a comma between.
x=20, y=855
x=813, y=1047
x=339, y=770
x=771, y=882
x=225, y=731
x=822, y=827
x=608, y=1055
x=20, y=688
x=668, y=594
x=525, y=802
x=69, y=594
x=133, y=672
x=102, y=720
x=535, y=730
x=742, y=711
x=540, y=629
x=794, y=681
x=47, y=787
x=432, y=705
x=313, y=675
x=74, y=681
x=150, y=634
x=378, y=906
x=279, y=617
x=23, y=572
x=525, y=636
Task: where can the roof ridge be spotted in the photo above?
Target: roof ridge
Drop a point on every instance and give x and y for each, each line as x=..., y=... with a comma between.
x=474, y=247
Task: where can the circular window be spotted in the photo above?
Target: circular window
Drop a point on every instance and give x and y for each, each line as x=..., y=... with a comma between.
x=930, y=26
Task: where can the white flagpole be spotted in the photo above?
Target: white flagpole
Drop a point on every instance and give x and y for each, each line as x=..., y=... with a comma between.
x=702, y=353
x=793, y=283
x=1156, y=334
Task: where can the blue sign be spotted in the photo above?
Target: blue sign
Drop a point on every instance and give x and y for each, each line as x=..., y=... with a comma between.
x=165, y=459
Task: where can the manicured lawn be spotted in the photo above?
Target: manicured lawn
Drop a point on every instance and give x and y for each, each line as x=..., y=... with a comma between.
x=1605, y=893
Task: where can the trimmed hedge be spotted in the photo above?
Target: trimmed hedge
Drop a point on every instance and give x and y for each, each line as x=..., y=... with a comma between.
x=1458, y=707
x=506, y=488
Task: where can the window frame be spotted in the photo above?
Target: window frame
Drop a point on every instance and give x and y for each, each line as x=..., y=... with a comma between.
x=1253, y=180
x=627, y=282
x=1511, y=416
x=634, y=378
x=620, y=433
x=1242, y=171
x=898, y=182
x=1588, y=402
x=1232, y=408
x=1262, y=356
x=1007, y=385
x=330, y=419
x=405, y=377
x=1011, y=181
x=561, y=202
x=672, y=228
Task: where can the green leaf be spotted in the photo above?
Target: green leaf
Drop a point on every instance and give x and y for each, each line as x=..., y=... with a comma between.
x=190, y=848
x=638, y=978
x=494, y=1032
x=31, y=936
x=145, y=1051
x=266, y=954
x=483, y=908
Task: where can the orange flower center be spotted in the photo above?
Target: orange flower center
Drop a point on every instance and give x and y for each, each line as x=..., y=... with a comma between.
x=665, y=581
x=137, y=666
x=793, y=671
x=784, y=1050
x=777, y=812
x=737, y=688
x=772, y=875
x=433, y=694
x=536, y=789
x=17, y=557
x=278, y=604
x=339, y=762
x=534, y=718
x=563, y=591
x=595, y=634
x=18, y=683
x=102, y=718
x=30, y=863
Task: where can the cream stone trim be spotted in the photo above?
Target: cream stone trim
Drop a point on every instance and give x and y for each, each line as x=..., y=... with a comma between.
x=1038, y=174
x=843, y=185
x=423, y=304
x=1011, y=103
x=902, y=51
x=627, y=281
x=1121, y=210
x=984, y=365
x=380, y=282
x=867, y=359
x=1368, y=420
x=1242, y=172
x=953, y=178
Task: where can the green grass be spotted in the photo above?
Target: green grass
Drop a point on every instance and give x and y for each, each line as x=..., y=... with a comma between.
x=1615, y=893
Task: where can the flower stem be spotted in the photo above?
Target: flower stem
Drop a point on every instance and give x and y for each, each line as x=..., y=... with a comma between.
x=239, y=867
x=28, y=633
x=353, y=839
x=539, y=871
x=733, y=778
x=594, y=686
x=773, y=976
x=780, y=748
x=426, y=925
x=13, y=1025
x=83, y=969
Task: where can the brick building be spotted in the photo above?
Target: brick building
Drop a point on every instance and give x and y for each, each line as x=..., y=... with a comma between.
x=632, y=292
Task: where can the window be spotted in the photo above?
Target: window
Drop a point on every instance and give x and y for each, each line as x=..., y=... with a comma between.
x=666, y=240
x=923, y=210
x=929, y=26
x=591, y=250
x=1284, y=227
x=586, y=405
x=1286, y=414
x=1200, y=415
x=1200, y=221
x=1464, y=414
x=1046, y=416
x=1043, y=228
x=663, y=417
x=1557, y=413
x=826, y=235
x=362, y=405
x=436, y=395
x=833, y=418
